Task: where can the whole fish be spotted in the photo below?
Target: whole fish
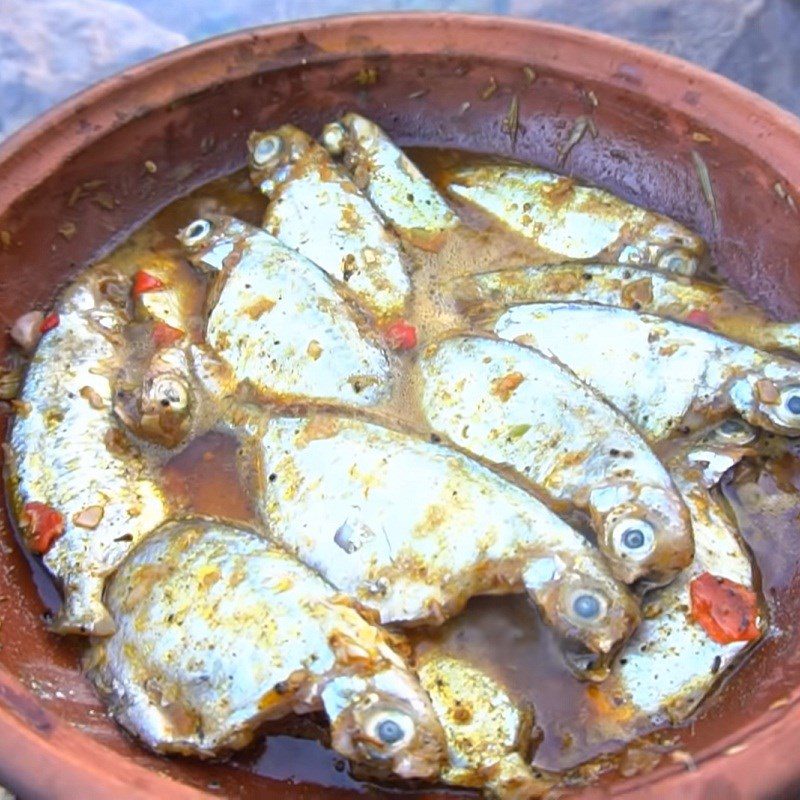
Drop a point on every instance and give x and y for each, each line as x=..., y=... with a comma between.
x=412, y=529
x=280, y=322
x=82, y=493
x=218, y=631
x=518, y=408
x=701, y=624
x=316, y=209
x=489, y=734
x=405, y=198
x=574, y=221
x=707, y=305
x=664, y=375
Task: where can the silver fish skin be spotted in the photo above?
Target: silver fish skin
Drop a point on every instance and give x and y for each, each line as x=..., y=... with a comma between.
x=663, y=375
x=316, y=209
x=574, y=221
x=217, y=631
x=671, y=663
x=518, y=408
x=405, y=198
x=411, y=530
x=67, y=451
x=709, y=305
x=489, y=734
x=280, y=322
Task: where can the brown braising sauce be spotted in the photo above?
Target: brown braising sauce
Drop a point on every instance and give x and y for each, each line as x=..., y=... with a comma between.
x=502, y=634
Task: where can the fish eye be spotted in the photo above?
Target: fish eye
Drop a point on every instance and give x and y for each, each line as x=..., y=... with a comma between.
x=266, y=149
x=333, y=136
x=788, y=410
x=195, y=232
x=678, y=261
x=587, y=606
x=633, y=537
x=170, y=393
x=733, y=430
x=390, y=728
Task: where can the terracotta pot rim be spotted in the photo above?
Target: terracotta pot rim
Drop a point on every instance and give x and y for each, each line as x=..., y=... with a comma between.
x=69, y=758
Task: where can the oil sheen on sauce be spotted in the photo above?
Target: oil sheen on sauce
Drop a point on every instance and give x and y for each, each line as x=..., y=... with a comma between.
x=503, y=635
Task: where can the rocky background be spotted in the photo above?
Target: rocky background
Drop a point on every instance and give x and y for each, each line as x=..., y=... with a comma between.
x=51, y=48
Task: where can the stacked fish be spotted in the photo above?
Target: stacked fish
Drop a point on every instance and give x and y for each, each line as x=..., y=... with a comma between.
x=565, y=443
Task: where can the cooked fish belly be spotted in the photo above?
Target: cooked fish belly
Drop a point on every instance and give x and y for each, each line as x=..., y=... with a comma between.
x=280, y=322
x=516, y=407
x=663, y=375
x=68, y=454
x=413, y=529
x=316, y=209
x=672, y=661
x=488, y=733
x=217, y=631
x=574, y=221
x=405, y=198
x=708, y=305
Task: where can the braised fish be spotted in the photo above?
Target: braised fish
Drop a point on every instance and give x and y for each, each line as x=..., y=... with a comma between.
x=489, y=734
x=218, y=630
x=280, y=323
x=518, y=408
x=316, y=209
x=664, y=375
x=707, y=305
x=701, y=624
x=82, y=493
x=405, y=198
x=412, y=529
x=574, y=221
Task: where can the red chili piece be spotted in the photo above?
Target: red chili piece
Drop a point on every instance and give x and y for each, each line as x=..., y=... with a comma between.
x=165, y=335
x=49, y=322
x=43, y=525
x=401, y=335
x=701, y=318
x=726, y=610
x=145, y=282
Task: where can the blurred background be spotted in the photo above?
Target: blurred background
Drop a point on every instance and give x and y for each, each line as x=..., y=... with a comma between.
x=52, y=48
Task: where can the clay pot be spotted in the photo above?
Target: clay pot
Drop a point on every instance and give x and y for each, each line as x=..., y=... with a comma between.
x=189, y=113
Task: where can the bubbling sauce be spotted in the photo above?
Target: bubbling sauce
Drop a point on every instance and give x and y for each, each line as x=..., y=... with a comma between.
x=503, y=635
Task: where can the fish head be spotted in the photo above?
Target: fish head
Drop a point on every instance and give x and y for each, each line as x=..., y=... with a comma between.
x=273, y=153
x=386, y=723
x=666, y=247
x=593, y=614
x=769, y=397
x=210, y=241
x=159, y=409
x=339, y=137
x=645, y=531
x=711, y=453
